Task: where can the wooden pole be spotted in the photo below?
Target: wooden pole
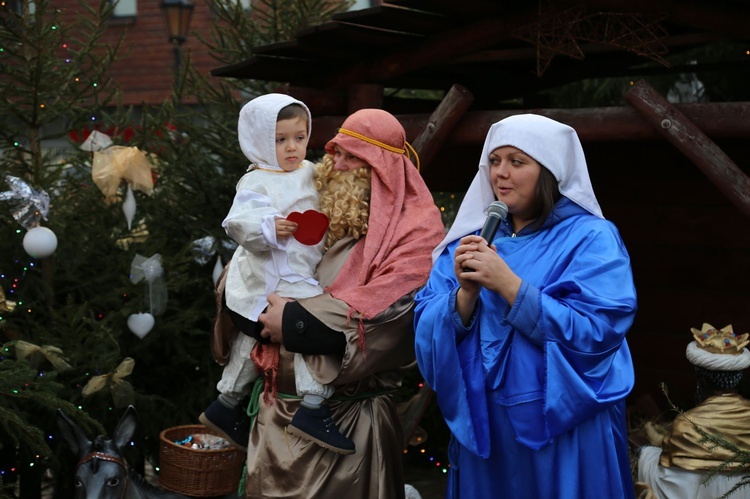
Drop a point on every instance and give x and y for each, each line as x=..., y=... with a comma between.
x=693, y=143
x=441, y=123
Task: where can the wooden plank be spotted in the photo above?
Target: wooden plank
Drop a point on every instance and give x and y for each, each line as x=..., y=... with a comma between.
x=677, y=128
x=719, y=120
x=364, y=96
x=455, y=9
x=673, y=309
x=464, y=38
x=441, y=123
x=396, y=18
x=357, y=39
x=291, y=71
x=320, y=102
x=339, y=41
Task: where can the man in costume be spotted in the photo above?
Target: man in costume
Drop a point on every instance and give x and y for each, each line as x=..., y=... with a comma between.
x=676, y=463
x=358, y=335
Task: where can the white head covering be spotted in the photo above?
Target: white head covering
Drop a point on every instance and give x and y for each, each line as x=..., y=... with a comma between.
x=718, y=349
x=256, y=128
x=716, y=361
x=552, y=144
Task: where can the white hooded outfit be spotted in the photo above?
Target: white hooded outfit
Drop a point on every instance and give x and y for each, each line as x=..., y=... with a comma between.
x=262, y=264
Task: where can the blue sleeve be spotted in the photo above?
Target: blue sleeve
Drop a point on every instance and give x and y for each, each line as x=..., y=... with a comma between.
x=579, y=315
x=450, y=358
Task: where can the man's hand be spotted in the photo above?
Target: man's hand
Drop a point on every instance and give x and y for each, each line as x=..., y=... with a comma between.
x=271, y=318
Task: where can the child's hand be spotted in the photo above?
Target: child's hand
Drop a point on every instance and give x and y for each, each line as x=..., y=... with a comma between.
x=284, y=228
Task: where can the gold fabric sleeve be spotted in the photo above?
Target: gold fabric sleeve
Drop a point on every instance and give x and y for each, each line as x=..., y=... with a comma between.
x=728, y=415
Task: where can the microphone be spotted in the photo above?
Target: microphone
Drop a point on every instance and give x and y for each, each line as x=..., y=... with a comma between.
x=496, y=213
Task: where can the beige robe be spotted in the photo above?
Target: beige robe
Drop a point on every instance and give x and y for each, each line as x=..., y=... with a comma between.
x=363, y=408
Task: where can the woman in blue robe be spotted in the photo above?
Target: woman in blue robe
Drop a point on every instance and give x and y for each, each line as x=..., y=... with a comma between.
x=523, y=341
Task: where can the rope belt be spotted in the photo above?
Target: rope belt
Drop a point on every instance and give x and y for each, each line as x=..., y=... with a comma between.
x=253, y=407
x=369, y=140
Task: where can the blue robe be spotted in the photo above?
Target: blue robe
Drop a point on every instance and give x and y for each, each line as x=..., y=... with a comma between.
x=534, y=394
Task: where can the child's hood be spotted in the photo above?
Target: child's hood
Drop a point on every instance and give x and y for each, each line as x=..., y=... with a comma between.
x=256, y=128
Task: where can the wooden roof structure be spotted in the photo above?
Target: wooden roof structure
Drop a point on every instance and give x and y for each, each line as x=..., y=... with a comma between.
x=434, y=44
x=670, y=175
x=505, y=54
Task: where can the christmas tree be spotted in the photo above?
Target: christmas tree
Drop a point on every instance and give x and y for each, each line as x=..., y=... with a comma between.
x=124, y=247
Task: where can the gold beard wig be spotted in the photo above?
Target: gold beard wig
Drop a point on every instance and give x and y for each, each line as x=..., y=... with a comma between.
x=344, y=198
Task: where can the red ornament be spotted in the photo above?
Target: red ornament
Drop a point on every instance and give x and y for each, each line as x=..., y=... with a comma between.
x=311, y=226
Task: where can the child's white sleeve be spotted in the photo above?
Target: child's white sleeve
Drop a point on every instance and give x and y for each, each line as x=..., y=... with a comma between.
x=251, y=222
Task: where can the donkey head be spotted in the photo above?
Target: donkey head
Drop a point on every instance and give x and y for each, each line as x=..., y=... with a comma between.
x=101, y=471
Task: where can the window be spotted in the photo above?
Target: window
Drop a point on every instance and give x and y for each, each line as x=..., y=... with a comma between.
x=125, y=8
x=361, y=4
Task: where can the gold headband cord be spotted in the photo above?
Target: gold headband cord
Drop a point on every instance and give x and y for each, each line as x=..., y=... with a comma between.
x=374, y=142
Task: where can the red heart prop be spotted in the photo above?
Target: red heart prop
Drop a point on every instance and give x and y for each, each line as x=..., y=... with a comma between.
x=311, y=226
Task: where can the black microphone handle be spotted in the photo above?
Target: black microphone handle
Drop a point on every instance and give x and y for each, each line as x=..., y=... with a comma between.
x=490, y=227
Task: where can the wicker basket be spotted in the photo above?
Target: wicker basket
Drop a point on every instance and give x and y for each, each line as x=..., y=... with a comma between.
x=195, y=472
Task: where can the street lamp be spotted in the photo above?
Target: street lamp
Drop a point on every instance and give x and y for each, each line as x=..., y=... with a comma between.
x=178, y=14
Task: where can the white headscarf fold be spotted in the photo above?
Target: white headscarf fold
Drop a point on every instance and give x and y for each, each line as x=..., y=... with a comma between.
x=552, y=144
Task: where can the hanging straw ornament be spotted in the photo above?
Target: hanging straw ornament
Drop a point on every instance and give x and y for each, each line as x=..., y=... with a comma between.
x=150, y=270
x=32, y=353
x=121, y=390
x=113, y=164
x=5, y=304
x=117, y=163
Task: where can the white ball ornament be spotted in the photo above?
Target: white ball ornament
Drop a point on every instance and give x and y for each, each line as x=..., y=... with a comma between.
x=141, y=324
x=40, y=242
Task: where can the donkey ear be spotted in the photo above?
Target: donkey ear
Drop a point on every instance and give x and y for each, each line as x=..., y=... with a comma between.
x=77, y=440
x=125, y=428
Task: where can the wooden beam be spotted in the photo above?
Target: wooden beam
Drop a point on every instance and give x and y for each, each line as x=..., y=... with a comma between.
x=364, y=96
x=440, y=47
x=320, y=102
x=441, y=123
x=721, y=120
x=677, y=128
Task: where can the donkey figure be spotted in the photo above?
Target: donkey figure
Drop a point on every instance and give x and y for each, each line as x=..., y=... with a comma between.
x=102, y=472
